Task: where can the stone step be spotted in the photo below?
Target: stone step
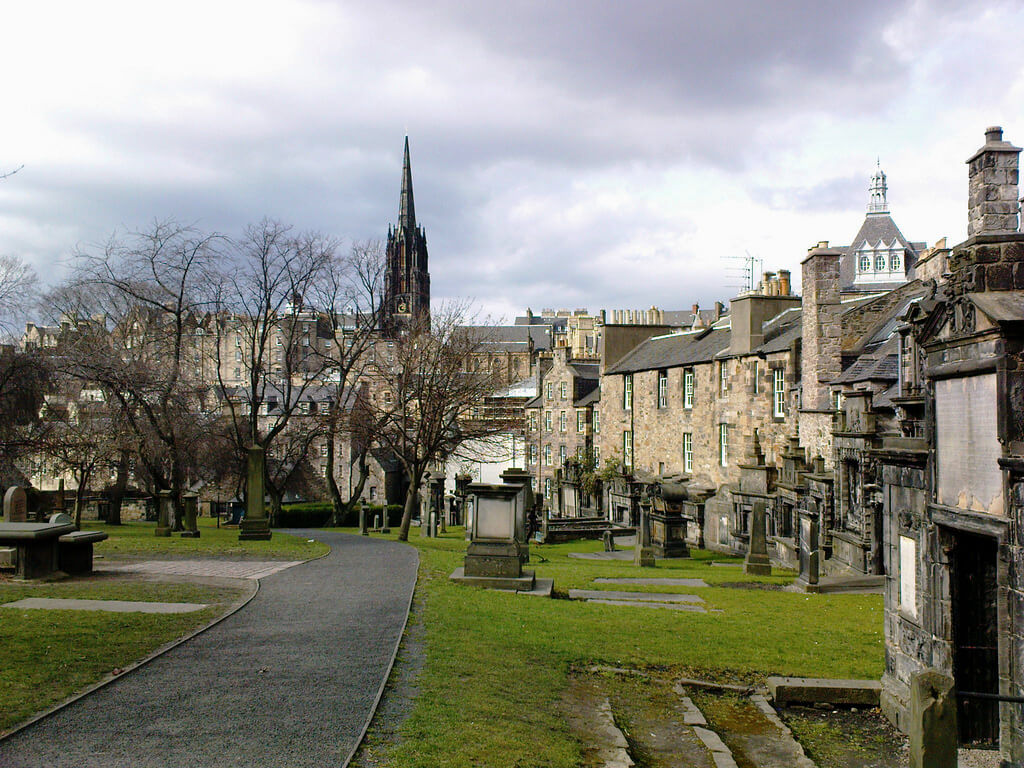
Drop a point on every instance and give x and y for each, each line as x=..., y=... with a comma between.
x=813, y=690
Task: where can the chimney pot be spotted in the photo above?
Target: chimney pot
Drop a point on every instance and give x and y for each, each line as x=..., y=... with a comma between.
x=993, y=134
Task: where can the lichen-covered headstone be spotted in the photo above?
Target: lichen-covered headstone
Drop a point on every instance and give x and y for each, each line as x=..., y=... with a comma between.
x=15, y=505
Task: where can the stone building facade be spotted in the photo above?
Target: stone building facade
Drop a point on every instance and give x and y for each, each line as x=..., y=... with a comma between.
x=952, y=478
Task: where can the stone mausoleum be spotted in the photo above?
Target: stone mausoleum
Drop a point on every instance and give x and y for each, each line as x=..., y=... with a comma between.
x=951, y=484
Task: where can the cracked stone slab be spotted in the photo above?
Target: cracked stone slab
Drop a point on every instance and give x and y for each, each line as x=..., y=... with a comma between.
x=691, y=713
x=111, y=606
x=711, y=739
x=653, y=597
x=655, y=582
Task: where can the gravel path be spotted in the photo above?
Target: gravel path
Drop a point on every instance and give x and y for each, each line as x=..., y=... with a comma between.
x=289, y=680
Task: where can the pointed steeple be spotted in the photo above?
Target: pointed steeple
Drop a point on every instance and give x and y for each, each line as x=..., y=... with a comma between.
x=406, y=207
x=877, y=202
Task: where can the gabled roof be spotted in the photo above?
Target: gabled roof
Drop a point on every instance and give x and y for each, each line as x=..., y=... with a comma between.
x=585, y=370
x=594, y=396
x=876, y=227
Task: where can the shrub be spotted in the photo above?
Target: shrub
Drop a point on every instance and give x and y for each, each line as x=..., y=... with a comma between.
x=311, y=514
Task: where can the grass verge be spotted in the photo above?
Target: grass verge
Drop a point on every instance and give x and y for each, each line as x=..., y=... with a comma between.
x=47, y=656
x=137, y=539
x=497, y=663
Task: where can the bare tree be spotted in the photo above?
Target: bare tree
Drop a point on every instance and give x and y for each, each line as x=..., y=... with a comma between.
x=137, y=307
x=431, y=395
x=265, y=329
x=19, y=287
x=350, y=293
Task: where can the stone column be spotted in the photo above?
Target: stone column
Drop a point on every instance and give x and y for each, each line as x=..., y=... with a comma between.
x=164, y=513
x=255, y=526
x=756, y=561
x=932, y=727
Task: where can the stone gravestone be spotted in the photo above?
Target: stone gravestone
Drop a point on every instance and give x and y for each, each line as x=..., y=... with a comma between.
x=932, y=728
x=756, y=561
x=60, y=518
x=190, y=502
x=255, y=526
x=643, y=554
x=809, y=555
x=15, y=505
x=164, y=513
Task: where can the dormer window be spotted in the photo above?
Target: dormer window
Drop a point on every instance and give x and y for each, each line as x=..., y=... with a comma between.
x=896, y=262
x=865, y=263
x=880, y=263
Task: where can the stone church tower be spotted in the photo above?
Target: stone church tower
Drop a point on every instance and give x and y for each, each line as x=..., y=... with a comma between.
x=406, y=279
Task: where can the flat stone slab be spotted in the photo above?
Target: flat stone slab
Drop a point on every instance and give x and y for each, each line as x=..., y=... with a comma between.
x=813, y=690
x=655, y=582
x=231, y=569
x=111, y=606
x=650, y=597
x=619, y=554
x=726, y=565
x=646, y=604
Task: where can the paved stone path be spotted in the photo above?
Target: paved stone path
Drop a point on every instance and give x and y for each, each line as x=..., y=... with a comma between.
x=232, y=569
x=289, y=680
x=111, y=606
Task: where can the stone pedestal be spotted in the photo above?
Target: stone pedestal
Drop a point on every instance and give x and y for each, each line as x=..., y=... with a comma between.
x=668, y=535
x=255, y=526
x=494, y=555
x=164, y=513
x=756, y=561
x=520, y=477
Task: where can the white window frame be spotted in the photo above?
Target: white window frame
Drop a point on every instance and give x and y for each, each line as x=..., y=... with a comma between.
x=627, y=448
x=563, y=422
x=723, y=444
x=627, y=392
x=756, y=376
x=581, y=420
x=687, y=452
x=563, y=390
x=596, y=422
x=723, y=377
x=688, y=381
x=779, y=393
x=663, y=388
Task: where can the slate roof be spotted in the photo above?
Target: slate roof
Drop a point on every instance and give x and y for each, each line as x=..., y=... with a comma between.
x=781, y=330
x=880, y=365
x=511, y=336
x=594, y=396
x=674, y=350
x=585, y=370
x=876, y=226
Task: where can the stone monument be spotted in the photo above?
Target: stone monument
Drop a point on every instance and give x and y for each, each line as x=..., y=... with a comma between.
x=493, y=558
x=15, y=505
x=190, y=511
x=756, y=562
x=643, y=553
x=255, y=526
x=164, y=513
x=932, y=729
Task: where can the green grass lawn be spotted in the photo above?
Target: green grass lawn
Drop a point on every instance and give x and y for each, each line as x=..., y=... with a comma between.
x=497, y=663
x=137, y=539
x=46, y=656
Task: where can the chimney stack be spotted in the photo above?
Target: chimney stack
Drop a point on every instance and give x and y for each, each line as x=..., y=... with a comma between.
x=992, y=204
x=785, y=284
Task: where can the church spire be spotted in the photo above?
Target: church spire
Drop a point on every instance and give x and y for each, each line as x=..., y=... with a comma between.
x=877, y=202
x=406, y=207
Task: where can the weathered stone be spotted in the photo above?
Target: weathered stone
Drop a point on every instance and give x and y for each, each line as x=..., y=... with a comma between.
x=999, y=277
x=812, y=690
x=986, y=254
x=255, y=526
x=932, y=721
x=15, y=505
x=756, y=561
x=165, y=513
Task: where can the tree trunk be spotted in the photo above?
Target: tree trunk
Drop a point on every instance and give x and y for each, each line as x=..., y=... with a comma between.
x=120, y=484
x=275, y=504
x=337, y=503
x=83, y=481
x=410, y=505
x=357, y=492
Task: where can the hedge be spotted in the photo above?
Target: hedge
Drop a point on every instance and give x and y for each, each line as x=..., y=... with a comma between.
x=317, y=514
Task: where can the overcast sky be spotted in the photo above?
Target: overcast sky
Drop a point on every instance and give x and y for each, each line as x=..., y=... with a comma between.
x=597, y=154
